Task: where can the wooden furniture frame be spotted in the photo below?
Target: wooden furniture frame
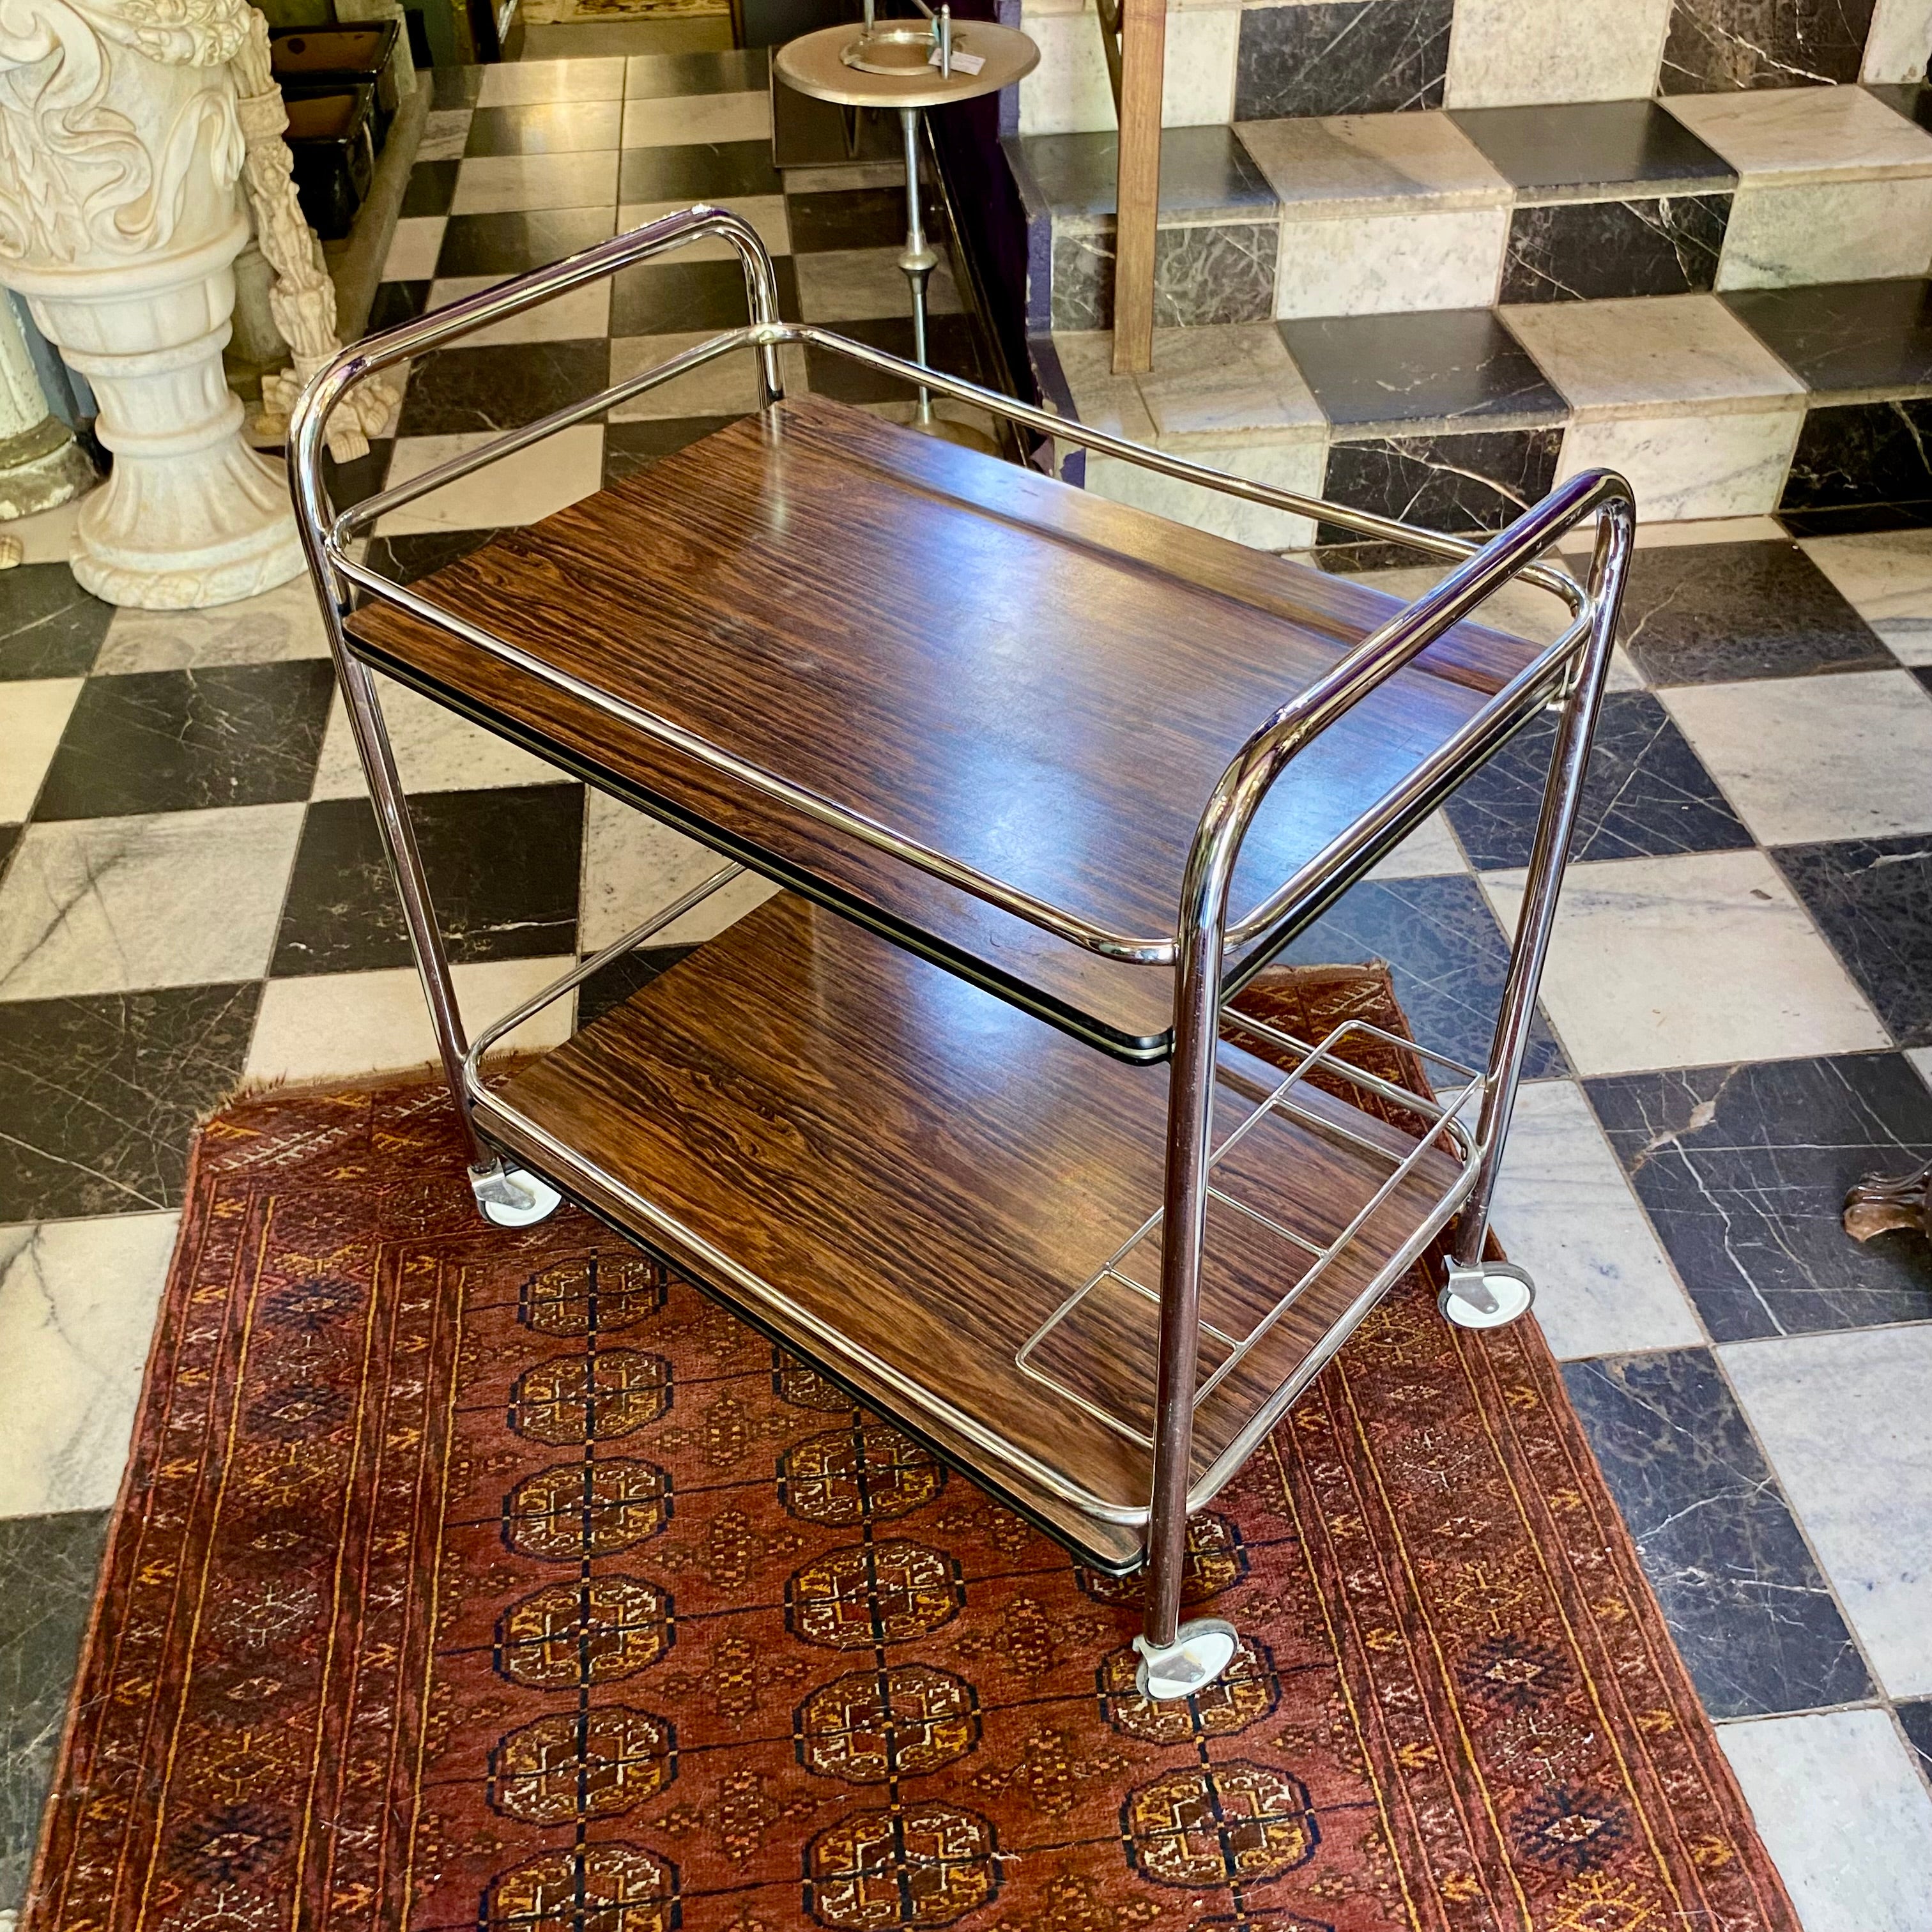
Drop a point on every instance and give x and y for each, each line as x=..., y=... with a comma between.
x=943, y=1118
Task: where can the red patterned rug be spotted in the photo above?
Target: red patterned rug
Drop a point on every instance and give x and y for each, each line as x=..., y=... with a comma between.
x=469, y=1579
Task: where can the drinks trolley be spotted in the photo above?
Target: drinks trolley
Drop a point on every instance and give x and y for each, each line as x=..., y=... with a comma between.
x=962, y=1115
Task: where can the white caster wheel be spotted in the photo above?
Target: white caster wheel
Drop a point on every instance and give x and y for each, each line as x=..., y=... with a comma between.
x=1488, y=1296
x=1201, y=1651
x=513, y=1197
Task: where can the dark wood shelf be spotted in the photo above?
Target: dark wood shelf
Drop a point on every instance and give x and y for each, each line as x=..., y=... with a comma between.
x=844, y=1140
x=1037, y=682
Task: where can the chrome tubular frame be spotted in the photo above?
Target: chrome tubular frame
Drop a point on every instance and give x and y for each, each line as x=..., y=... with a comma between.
x=1570, y=671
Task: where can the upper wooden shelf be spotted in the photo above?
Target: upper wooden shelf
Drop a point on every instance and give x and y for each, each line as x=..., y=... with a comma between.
x=1039, y=682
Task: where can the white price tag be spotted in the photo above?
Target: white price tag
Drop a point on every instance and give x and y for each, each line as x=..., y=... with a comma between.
x=961, y=63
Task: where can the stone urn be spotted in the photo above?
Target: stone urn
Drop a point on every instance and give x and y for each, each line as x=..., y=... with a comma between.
x=120, y=217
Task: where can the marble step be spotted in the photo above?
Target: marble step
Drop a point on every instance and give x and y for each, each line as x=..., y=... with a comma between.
x=1381, y=214
x=1812, y=403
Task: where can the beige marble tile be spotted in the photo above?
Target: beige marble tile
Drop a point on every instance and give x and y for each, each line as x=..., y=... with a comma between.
x=1361, y=164
x=1069, y=93
x=1296, y=466
x=1695, y=960
x=1506, y=53
x=1886, y=577
x=684, y=120
x=1802, y=134
x=445, y=134
x=515, y=83
x=1102, y=399
x=1685, y=463
x=1897, y=42
x=765, y=212
x=436, y=750
x=1521, y=609
x=580, y=314
x=341, y=1025
x=1226, y=382
x=1693, y=530
x=34, y=712
x=1428, y=852
x=1390, y=264
x=847, y=284
x=520, y=489
x=634, y=866
x=509, y=184
x=728, y=386
x=281, y=625
x=413, y=248
x=1808, y=758
x=1844, y=231
x=47, y=536
x=1612, y=358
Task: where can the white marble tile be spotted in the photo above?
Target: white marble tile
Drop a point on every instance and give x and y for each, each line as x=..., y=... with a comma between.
x=1807, y=758
x=1564, y=1211
x=47, y=536
x=1921, y=1058
x=580, y=314
x=518, y=489
x=77, y=1303
x=1685, y=463
x=436, y=750
x=1507, y=53
x=765, y=212
x=837, y=285
x=509, y=184
x=342, y=1025
x=280, y=625
x=1520, y=609
x=1069, y=93
x=181, y=898
x=726, y=386
x=1850, y=231
x=1789, y=134
x=413, y=248
x=445, y=134
x=1695, y=960
x=514, y=83
x=1363, y=164
x=682, y=121
x=1102, y=399
x=1428, y=852
x=1622, y=357
x=1898, y=40
x=1841, y=1417
x=1390, y=264
x=1843, y=1814
x=1197, y=79
x=34, y=712
x=633, y=866
x=1288, y=465
x=1691, y=530
x=1226, y=383
x=1886, y=577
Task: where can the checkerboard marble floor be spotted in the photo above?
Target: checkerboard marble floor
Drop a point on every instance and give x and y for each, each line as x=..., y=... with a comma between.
x=1737, y=1017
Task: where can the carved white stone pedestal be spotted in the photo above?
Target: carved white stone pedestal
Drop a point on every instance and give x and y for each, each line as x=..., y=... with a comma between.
x=119, y=153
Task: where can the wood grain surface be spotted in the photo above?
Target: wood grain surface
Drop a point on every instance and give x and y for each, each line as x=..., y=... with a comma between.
x=1040, y=683
x=881, y=1152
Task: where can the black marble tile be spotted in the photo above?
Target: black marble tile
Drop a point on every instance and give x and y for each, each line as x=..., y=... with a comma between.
x=1476, y=480
x=1597, y=250
x=1845, y=337
x=949, y=345
x=1752, y=1615
x=859, y=217
x=1342, y=57
x=631, y=447
x=431, y=187
x=503, y=866
x=455, y=86
x=1855, y=454
x=1872, y=898
x=1857, y=519
x=1459, y=365
x=404, y=558
x=1448, y=955
x=361, y=476
x=1714, y=614
x=506, y=244
x=1744, y=1170
x=661, y=77
x=1203, y=171
x=48, y=1567
x=1913, y=99
x=1924, y=674
x=1588, y=150
x=611, y=985
x=546, y=127
x=190, y=740
x=699, y=171
x=503, y=385
x=1210, y=273
x=10, y=837
x=103, y=1092
x=1646, y=794
x=1713, y=46
x=1915, y=1720
x=49, y=627
x=679, y=298
x=396, y=302
x=809, y=133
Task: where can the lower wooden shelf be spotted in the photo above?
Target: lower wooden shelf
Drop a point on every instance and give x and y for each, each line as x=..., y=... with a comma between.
x=912, y=1183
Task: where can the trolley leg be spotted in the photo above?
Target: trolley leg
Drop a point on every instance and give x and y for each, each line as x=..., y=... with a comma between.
x=1178, y=1659
x=1481, y=1293
x=918, y=260
x=508, y=1196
